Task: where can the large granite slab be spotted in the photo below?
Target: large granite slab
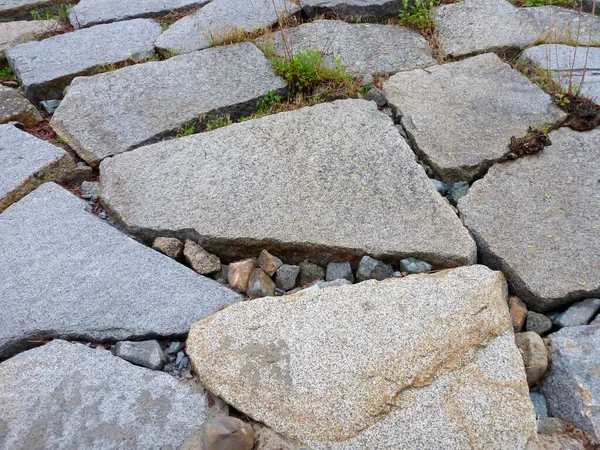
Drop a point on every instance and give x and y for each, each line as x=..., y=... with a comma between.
x=333, y=181
x=574, y=68
x=572, y=385
x=18, y=32
x=537, y=220
x=69, y=396
x=353, y=9
x=93, y=12
x=26, y=162
x=46, y=67
x=422, y=362
x=66, y=273
x=114, y=112
x=364, y=48
x=461, y=116
x=220, y=19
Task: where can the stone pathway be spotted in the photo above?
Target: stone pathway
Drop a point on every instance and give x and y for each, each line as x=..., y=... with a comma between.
x=286, y=225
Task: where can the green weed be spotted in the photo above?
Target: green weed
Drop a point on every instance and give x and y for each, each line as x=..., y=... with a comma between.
x=529, y=3
x=57, y=12
x=418, y=15
x=6, y=73
x=185, y=130
x=217, y=122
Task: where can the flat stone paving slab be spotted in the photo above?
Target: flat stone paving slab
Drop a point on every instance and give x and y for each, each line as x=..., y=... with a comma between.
x=114, y=112
x=478, y=26
x=93, y=12
x=26, y=162
x=46, y=67
x=331, y=181
x=13, y=33
x=572, y=385
x=20, y=7
x=538, y=220
x=462, y=115
x=563, y=25
x=575, y=68
x=66, y=273
x=422, y=362
x=15, y=107
x=347, y=9
x=219, y=19
x=365, y=48
x=67, y=396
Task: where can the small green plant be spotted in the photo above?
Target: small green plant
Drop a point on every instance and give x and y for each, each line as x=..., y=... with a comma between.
x=528, y=3
x=60, y=139
x=165, y=26
x=268, y=102
x=562, y=99
x=217, y=122
x=185, y=130
x=57, y=12
x=418, y=15
x=6, y=73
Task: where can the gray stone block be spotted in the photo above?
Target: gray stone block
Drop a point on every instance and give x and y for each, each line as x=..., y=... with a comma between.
x=364, y=48
x=219, y=20
x=549, y=250
x=46, y=67
x=249, y=186
x=337, y=271
x=16, y=108
x=17, y=32
x=373, y=269
x=93, y=12
x=66, y=273
x=286, y=276
x=563, y=25
x=114, y=112
x=414, y=265
x=580, y=313
x=352, y=9
x=461, y=116
x=69, y=396
x=321, y=366
x=142, y=353
x=26, y=162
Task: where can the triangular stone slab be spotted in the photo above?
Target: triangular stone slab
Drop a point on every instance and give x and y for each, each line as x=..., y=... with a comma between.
x=330, y=181
x=422, y=362
x=66, y=273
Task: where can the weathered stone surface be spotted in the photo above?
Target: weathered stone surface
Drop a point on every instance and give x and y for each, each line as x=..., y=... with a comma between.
x=114, y=112
x=479, y=26
x=518, y=312
x=46, y=67
x=142, y=353
x=90, y=190
x=251, y=184
x=580, y=313
x=534, y=355
x=310, y=272
x=556, y=442
x=171, y=247
x=26, y=162
x=267, y=439
x=67, y=273
x=413, y=265
x=549, y=250
x=221, y=19
x=538, y=323
x=13, y=33
x=364, y=48
x=239, y=273
x=572, y=386
x=19, y=7
x=286, y=276
x=563, y=25
x=373, y=365
x=227, y=433
x=260, y=285
x=367, y=9
x=67, y=396
x=15, y=107
x=199, y=259
x=269, y=263
x=540, y=405
x=575, y=68
x=373, y=269
x=462, y=115
x=93, y=12
x=339, y=271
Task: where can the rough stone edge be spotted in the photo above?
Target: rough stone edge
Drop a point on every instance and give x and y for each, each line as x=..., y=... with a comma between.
x=20, y=11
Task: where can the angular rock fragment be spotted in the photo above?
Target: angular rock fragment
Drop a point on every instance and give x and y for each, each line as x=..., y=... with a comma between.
x=538, y=323
x=286, y=276
x=93, y=12
x=26, y=162
x=46, y=67
x=114, y=112
x=67, y=273
x=461, y=116
x=15, y=107
x=222, y=19
x=372, y=365
x=269, y=263
x=199, y=259
x=414, y=265
x=580, y=313
x=364, y=48
x=478, y=26
x=226, y=433
x=352, y=9
x=65, y=395
x=574, y=68
x=340, y=161
x=310, y=272
x=13, y=33
x=534, y=355
x=260, y=285
x=549, y=250
x=142, y=353
x=239, y=273
x=572, y=385
x=339, y=271
x=373, y=269
x=171, y=247
x=518, y=312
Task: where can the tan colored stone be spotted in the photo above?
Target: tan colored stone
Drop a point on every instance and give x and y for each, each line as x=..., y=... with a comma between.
x=260, y=284
x=534, y=355
x=15, y=107
x=555, y=442
x=518, y=312
x=239, y=273
x=269, y=263
x=199, y=259
x=227, y=433
x=171, y=247
x=267, y=439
